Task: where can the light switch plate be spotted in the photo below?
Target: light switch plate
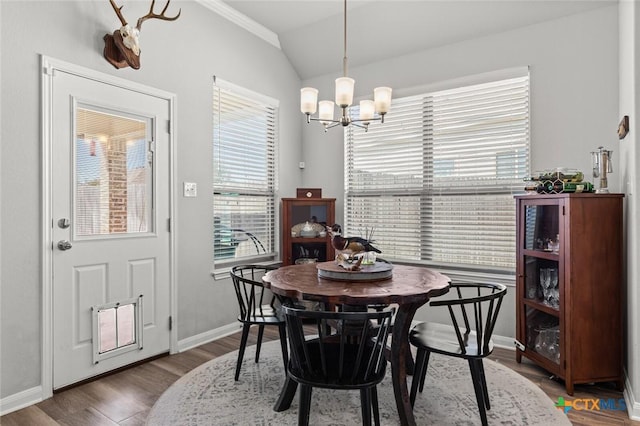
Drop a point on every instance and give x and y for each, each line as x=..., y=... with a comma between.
x=190, y=189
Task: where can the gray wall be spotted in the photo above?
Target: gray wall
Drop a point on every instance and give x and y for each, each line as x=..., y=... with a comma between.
x=179, y=57
x=574, y=98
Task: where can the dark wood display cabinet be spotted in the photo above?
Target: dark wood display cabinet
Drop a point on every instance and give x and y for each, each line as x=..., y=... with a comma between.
x=304, y=237
x=569, y=286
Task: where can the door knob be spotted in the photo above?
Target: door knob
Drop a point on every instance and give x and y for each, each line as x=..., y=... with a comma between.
x=64, y=245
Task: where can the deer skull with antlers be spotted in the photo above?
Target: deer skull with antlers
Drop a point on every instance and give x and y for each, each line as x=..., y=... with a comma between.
x=122, y=48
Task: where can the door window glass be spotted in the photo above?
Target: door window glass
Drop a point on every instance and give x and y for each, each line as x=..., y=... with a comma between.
x=113, y=170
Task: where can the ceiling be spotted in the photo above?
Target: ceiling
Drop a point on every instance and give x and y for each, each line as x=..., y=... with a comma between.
x=310, y=32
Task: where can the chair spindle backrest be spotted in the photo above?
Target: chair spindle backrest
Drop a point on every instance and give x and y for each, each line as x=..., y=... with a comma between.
x=347, y=347
x=250, y=290
x=472, y=300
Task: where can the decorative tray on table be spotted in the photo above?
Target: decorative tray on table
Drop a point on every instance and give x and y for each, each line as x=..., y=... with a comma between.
x=380, y=270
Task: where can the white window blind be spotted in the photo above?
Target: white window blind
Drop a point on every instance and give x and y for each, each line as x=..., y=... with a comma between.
x=245, y=136
x=437, y=180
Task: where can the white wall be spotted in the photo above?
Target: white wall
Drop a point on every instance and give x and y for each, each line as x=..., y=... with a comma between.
x=629, y=159
x=179, y=57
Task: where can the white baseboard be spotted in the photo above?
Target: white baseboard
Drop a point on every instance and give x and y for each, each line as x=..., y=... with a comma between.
x=20, y=400
x=208, y=336
x=498, y=341
x=504, y=342
x=633, y=405
x=32, y=396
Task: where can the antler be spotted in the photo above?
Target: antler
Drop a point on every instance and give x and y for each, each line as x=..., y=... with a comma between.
x=153, y=15
x=119, y=12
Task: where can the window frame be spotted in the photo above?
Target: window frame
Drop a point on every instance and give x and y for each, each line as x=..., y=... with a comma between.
x=250, y=189
x=455, y=269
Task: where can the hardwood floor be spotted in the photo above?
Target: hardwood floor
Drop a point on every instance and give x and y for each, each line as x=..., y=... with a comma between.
x=125, y=397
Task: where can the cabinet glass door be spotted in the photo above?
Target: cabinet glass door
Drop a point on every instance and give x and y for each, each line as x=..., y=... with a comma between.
x=541, y=228
x=542, y=280
x=309, y=213
x=308, y=221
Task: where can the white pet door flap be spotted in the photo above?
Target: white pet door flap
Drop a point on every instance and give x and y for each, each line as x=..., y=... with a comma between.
x=117, y=328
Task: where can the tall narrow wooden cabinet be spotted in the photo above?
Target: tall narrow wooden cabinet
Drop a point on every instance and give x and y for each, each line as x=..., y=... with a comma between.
x=312, y=244
x=569, y=285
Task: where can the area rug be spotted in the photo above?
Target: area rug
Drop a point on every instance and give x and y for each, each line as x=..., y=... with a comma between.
x=208, y=395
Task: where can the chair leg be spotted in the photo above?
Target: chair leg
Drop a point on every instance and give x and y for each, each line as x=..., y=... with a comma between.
x=424, y=372
x=477, y=386
x=243, y=343
x=417, y=374
x=485, y=389
x=259, y=342
x=365, y=404
x=283, y=345
x=374, y=404
x=287, y=394
x=305, y=405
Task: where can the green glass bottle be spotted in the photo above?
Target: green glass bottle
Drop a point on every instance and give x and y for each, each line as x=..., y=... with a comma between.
x=575, y=187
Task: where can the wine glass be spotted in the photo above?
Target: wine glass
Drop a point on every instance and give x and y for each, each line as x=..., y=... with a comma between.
x=553, y=283
x=545, y=283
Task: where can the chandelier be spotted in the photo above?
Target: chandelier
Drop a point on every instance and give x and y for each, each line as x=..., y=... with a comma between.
x=344, y=98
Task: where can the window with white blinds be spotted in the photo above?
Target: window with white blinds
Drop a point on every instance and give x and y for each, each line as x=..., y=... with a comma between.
x=245, y=137
x=436, y=180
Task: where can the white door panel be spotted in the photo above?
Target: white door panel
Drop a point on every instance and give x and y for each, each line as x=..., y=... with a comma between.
x=110, y=182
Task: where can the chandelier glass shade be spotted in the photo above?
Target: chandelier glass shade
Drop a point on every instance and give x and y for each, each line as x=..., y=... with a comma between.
x=344, y=99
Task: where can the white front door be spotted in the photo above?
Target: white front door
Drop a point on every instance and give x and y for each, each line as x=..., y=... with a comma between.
x=110, y=208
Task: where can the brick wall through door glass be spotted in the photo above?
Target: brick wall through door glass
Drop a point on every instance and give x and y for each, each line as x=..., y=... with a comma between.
x=113, y=166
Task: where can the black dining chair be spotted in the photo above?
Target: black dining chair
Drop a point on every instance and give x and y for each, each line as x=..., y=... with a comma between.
x=258, y=306
x=474, y=311
x=349, y=355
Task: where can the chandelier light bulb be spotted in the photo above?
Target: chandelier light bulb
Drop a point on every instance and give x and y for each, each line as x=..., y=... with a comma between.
x=308, y=100
x=326, y=112
x=344, y=91
x=366, y=110
x=382, y=99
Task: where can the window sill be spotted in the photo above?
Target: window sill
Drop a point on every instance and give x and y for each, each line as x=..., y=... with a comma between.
x=222, y=272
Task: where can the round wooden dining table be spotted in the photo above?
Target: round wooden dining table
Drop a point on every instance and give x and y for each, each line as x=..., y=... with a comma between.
x=408, y=287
